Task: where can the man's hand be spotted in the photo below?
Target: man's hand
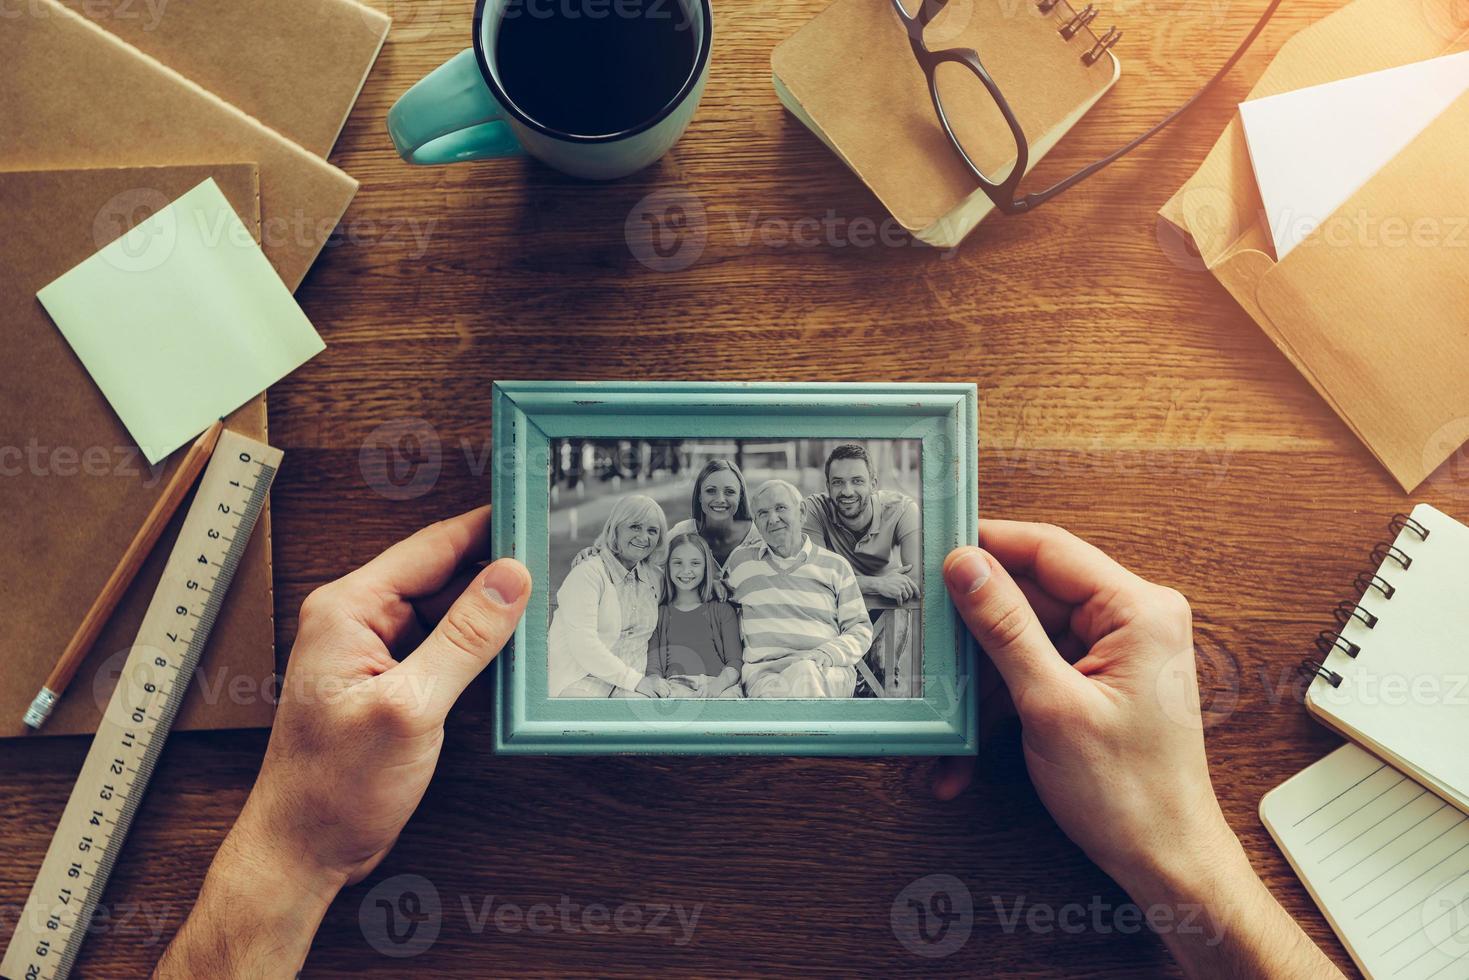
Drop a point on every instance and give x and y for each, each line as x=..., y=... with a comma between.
x=1114, y=740
x=356, y=739
x=897, y=584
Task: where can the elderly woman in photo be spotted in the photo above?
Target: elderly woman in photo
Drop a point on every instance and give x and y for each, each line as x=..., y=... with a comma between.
x=607, y=607
x=721, y=507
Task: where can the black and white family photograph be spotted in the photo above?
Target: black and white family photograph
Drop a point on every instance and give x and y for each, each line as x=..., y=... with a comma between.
x=735, y=568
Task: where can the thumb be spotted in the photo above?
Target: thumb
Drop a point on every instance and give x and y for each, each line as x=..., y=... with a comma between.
x=472, y=632
x=997, y=613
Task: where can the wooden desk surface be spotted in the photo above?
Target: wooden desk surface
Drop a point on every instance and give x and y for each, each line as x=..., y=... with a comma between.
x=1124, y=394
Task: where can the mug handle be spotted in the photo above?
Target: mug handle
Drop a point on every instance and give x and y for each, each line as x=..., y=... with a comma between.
x=450, y=115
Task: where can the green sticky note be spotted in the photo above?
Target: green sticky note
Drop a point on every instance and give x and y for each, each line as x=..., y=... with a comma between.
x=181, y=320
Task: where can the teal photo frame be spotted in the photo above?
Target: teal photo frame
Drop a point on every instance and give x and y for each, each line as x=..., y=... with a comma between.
x=529, y=418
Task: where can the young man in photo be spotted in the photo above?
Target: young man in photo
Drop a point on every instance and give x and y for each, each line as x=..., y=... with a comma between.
x=878, y=532
x=801, y=613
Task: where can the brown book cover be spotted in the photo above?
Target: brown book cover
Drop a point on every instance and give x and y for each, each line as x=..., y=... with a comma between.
x=296, y=65
x=849, y=75
x=73, y=486
x=77, y=96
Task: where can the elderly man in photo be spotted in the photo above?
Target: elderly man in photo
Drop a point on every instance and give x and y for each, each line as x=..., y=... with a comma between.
x=801, y=614
x=878, y=532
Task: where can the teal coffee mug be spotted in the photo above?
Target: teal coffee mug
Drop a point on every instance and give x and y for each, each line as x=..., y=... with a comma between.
x=595, y=88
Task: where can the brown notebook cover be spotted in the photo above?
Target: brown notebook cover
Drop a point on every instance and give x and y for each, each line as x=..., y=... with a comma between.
x=849, y=75
x=296, y=65
x=73, y=486
x=77, y=96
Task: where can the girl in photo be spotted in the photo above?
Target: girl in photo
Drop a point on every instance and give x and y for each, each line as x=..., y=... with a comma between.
x=607, y=607
x=695, y=647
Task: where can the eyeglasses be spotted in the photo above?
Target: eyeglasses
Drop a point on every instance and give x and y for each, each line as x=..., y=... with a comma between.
x=962, y=66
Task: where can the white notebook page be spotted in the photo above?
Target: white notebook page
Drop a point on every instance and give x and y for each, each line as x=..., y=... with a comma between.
x=1386, y=860
x=1406, y=694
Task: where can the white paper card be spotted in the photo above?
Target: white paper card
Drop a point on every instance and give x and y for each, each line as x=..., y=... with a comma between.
x=181, y=320
x=1313, y=148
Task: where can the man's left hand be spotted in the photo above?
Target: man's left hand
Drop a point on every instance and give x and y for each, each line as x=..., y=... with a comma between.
x=356, y=738
x=896, y=585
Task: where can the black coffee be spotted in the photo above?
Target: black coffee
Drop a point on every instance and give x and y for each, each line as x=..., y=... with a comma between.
x=594, y=67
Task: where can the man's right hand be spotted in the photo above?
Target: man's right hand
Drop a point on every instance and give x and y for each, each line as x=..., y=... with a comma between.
x=1100, y=665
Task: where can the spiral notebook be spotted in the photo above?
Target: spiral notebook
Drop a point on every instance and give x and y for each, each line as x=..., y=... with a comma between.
x=850, y=77
x=1394, y=673
x=1385, y=860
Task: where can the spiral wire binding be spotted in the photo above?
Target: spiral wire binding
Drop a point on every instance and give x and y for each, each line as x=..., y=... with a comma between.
x=1383, y=551
x=1401, y=522
x=1078, y=21
x=1346, y=611
x=1082, y=19
x=1371, y=580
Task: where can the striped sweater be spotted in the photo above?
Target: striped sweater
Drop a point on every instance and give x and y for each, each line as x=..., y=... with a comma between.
x=806, y=604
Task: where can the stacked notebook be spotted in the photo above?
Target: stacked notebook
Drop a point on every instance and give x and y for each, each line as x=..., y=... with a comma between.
x=115, y=108
x=1380, y=838
x=851, y=78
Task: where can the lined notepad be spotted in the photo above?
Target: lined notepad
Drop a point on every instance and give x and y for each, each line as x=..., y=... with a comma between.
x=1386, y=860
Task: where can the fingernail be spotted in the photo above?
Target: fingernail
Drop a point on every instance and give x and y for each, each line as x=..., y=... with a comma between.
x=969, y=572
x=504, y=581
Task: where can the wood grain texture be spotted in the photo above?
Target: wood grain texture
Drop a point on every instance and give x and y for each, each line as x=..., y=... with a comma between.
x=1123, y=393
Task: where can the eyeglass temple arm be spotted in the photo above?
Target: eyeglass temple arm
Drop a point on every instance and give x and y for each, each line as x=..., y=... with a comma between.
x=1035, y=200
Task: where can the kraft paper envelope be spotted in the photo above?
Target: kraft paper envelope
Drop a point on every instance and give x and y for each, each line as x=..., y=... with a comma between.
x=1373, y=306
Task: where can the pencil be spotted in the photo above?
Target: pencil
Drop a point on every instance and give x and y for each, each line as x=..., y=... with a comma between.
x=122, y=576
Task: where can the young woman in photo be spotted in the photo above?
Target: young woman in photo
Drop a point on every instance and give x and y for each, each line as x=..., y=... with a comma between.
x=721, y=507
x=695, y=648
x=607, y=606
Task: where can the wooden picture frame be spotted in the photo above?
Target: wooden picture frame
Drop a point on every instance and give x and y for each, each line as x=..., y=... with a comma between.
x=529, y=418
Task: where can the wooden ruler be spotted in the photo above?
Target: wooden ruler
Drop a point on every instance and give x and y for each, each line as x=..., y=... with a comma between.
x=130, y=736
